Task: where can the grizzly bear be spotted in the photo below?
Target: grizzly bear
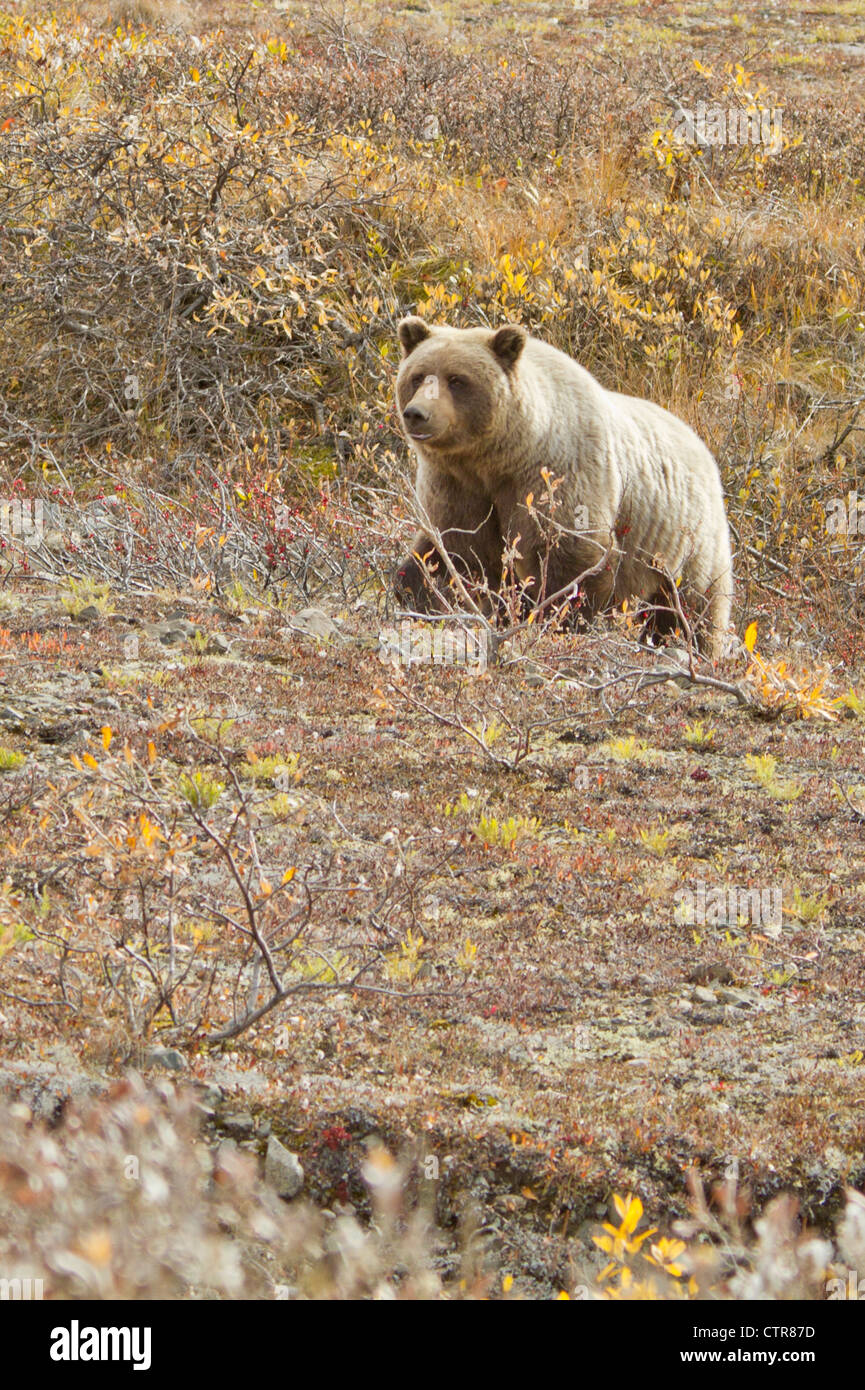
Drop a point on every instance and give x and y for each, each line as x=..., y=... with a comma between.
x=501, y=423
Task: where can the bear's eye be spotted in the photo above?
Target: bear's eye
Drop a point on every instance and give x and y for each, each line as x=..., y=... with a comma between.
x=455, y=382
x=417, y=380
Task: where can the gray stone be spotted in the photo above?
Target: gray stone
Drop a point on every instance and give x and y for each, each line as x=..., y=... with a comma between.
x=211, y=1095
x=739, y=998
x=171, y=633
x=239, y=1124
x=177, y=630
x=104, y=509
x=165, y=1057
x=314, y=621
x=282, y=1169
x=705, y=996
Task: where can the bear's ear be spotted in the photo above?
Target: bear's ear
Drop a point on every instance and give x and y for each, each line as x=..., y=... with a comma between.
x=412, y=331
x=507, y=344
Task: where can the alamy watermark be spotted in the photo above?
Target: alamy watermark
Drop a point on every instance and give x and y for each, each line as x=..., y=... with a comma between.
x=846, y=518
x=22, y=520
x=449, y=646
x=718, y=907
x=25, y=1290
x=26, y=520
x=851, y=1289
x=719, y=125
x=77, y=1343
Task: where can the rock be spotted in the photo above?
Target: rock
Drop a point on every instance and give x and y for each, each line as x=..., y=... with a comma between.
x=165, y=1057
x=171, y=632
x=313, y=621
x=716, y=972
x=177, y=630
x=282, y=1169
x=217, y=645
x=101, y=505
x=90, y=614
x=211, y=1094
x=239, y=1124
x=739, y=998
x=705, y=996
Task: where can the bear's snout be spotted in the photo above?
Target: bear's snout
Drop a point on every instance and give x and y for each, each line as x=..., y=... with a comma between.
x=416, y=421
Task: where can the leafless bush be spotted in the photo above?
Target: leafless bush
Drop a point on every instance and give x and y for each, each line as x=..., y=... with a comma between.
x=189, y=919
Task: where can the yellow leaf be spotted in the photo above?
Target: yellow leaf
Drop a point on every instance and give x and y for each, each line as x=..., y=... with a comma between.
x=630, y=1209
x=107, y=736
x=751, y=637
x=91, y=761
x=76, y=762
x=507, y=1283
x=151, y=751
x=195, y=75
x=289, y=875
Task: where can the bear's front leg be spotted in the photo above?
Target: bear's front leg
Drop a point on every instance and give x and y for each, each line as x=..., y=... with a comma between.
x=413, y=584
x=466, y=527
x=424, y=582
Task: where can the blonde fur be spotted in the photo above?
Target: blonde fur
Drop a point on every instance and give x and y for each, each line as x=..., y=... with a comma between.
x=488, y=412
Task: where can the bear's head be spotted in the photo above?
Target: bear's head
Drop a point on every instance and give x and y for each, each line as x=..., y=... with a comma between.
x=454, y=382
